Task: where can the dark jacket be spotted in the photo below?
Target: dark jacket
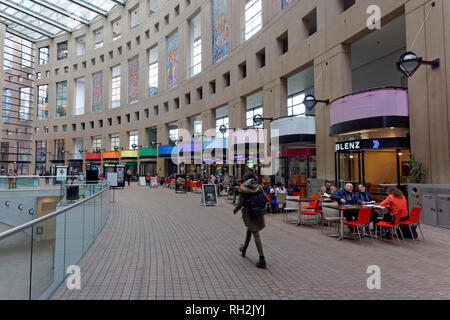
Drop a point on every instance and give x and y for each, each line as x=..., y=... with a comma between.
x=250, y=187
x=342, y=194
x=362, y=196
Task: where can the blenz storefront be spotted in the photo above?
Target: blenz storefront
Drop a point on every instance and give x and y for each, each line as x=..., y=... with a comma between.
x=373, y=145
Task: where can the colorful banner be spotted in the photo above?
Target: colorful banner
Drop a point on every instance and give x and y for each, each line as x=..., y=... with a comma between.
x=97, y=91
x=133, y=79
x=219, y=30
x=172, y=61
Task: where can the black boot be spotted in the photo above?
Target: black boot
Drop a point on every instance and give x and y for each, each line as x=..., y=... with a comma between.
x=261, y=263
x=243, y=249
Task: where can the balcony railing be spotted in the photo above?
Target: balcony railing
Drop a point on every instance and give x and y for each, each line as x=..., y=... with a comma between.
x=35, y=256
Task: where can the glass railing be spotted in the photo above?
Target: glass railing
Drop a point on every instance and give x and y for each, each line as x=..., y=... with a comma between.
x=35, y=257
x=73, y=191
x=24, y=182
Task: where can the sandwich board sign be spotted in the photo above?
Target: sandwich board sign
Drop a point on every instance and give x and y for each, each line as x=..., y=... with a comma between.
x=153, y=182
x=180, y=183
x=209, y=195
x=111, y=178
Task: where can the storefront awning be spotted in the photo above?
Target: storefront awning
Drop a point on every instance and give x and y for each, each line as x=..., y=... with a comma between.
x=93, y=156
x=147, y=152
x=110, y=155
x=129, y=154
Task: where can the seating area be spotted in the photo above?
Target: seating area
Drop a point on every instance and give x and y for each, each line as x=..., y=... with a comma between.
x=323, y=211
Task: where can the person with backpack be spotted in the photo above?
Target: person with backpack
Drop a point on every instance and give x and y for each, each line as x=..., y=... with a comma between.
x=252, y=201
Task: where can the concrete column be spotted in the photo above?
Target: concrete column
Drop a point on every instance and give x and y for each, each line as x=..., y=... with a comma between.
x=208, y=122
x=237, y=113
x=206, y=10
x=332, y=79
x=275, y=99
x=428, y=88
x=163, y=138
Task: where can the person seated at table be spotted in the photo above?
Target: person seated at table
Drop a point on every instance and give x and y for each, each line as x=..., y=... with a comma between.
x=363, y=197
x=280, y=188
x=328, y=188
x=396, y=203
x=345, y=196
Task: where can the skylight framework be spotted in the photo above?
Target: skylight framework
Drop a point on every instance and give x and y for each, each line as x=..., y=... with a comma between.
x=37, y=20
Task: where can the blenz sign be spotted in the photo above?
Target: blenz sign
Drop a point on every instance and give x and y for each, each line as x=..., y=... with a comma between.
x=348, y=146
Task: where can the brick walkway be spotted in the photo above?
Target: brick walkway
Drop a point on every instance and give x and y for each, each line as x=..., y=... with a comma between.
x=158, y=245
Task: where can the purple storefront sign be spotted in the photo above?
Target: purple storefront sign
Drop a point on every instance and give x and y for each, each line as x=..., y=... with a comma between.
x=372, y=104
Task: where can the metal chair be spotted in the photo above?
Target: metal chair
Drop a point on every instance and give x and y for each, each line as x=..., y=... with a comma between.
x=310, y=213
x=291, y=206
x=329, y=215
x=281, y=200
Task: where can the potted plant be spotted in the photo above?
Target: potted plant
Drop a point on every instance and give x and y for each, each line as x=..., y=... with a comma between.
x=416, y=170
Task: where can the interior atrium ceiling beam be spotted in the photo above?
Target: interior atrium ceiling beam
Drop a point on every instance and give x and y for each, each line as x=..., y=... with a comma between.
x=20, y=34
x=36, y=15
x=26, y=25
x=89, y=6
x=62, y=11
x=119, y=2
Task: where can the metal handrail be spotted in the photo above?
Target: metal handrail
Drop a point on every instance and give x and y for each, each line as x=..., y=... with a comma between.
x=27, y=225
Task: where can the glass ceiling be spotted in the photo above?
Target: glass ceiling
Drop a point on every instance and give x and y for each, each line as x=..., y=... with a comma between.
x=37, y=20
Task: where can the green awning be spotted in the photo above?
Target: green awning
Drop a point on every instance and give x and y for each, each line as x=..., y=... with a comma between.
x=147, y=152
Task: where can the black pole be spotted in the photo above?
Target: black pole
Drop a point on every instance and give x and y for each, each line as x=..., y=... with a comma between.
x=336, y=168
x=398, y=167
x=363, y=163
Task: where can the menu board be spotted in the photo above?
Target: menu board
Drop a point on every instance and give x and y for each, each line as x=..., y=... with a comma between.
x=209, y=195
x=180, y=183
x=153, y=182
x=61, y=173
x=111, y=177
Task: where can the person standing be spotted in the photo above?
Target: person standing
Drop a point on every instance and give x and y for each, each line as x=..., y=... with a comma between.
x=252, y=201
x=10, y=179
x=129, y=176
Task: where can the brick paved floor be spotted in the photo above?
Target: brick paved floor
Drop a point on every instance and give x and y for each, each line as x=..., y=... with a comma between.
x=159, y=245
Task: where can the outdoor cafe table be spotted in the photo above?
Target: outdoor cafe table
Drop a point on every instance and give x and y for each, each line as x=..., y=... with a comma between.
x=341, y=209
x=311, y=199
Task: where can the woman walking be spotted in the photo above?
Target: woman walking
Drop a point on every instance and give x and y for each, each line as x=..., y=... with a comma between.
x=252, y=201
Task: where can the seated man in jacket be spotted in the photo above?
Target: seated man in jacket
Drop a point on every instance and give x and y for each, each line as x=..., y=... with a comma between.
x=362, y=197
x=346, y=196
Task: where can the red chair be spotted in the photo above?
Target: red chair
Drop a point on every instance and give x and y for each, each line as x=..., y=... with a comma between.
x=362, y=220
x=312, y=213
x=311, y=203
x=414, y=220
x=394, y=226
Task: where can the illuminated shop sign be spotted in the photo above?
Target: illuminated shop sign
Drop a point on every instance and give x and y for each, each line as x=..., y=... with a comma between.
x=373, y=144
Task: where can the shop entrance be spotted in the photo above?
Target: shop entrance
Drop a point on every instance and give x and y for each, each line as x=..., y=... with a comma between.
x=377, y=169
